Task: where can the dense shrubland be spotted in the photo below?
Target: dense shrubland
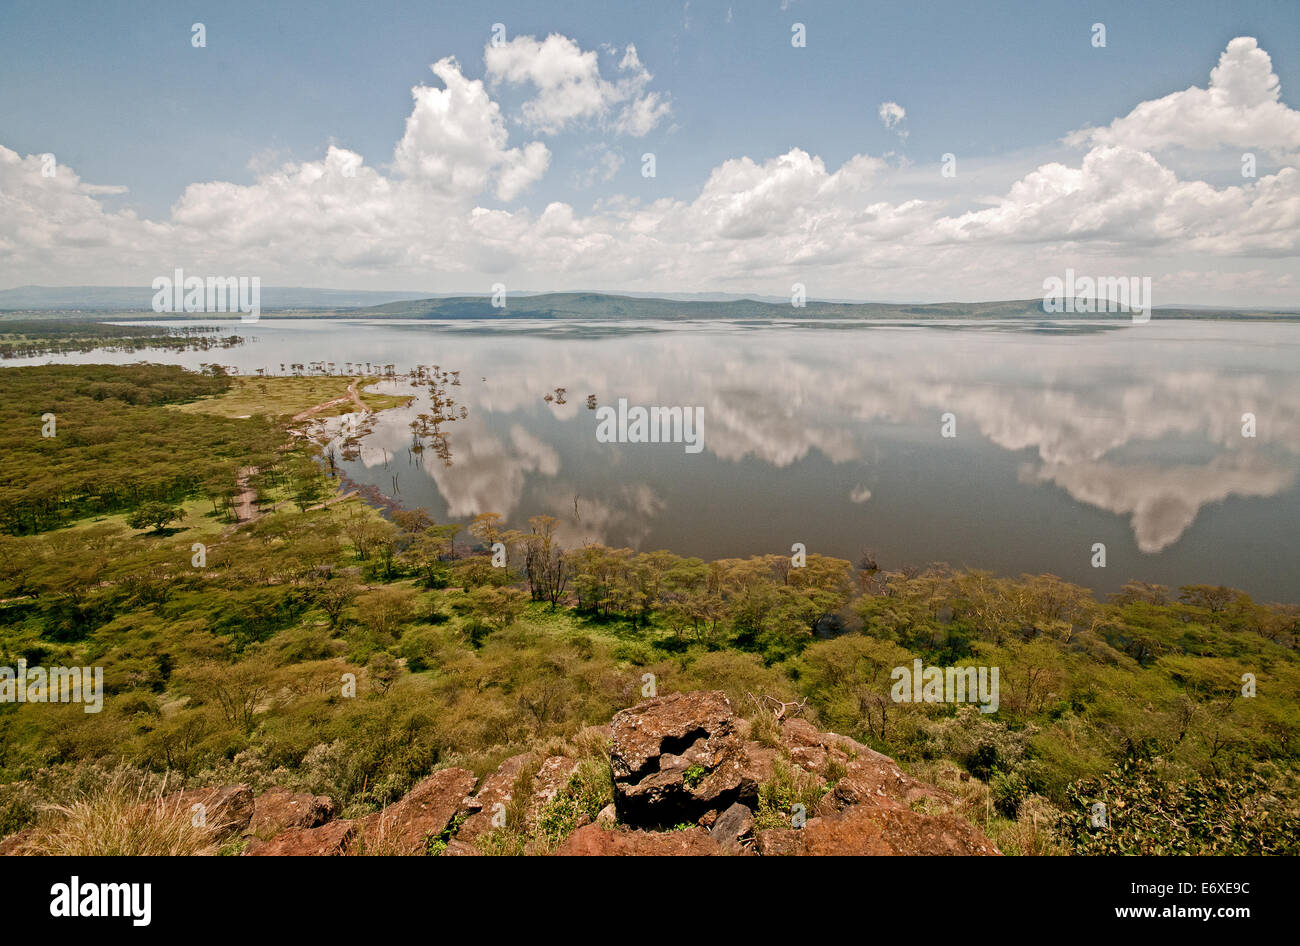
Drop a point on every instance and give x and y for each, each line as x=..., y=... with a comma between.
x=111, y=448
x=236, y=671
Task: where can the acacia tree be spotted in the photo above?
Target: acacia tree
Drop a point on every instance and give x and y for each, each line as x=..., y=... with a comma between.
x=156, y=514
x=383, y=671
x=486, y=527
x=176, y=740
x=413, y=521
x=818, y=589
x=545, y=563
x=384, y=610
x=240, y=691
x=334, y=596
x=367, y=533
x=427, y=552
x=305, y=482
x=850, y=678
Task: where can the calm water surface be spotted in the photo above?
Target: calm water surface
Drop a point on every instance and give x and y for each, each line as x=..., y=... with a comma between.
x=830, y=435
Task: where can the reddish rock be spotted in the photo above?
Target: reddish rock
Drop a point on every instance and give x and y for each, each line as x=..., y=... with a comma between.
x=226, y=810
x=326, y=841
x=813, y=750
x=810, y=758
x=760, y=762
x=799, y=732
x=872, y=777
x=552, y=778
x=845, y=744
x=777, y=842
x=869, y=775
x=15, y=844
x=405, y=826
x=655, y=744
x=870, y=831
x=595, y=841
x=278, y=809
x=497, y=789
x=732, y=826
x=459, y=848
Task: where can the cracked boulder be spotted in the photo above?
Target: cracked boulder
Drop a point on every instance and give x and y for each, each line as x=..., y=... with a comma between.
x=674, y=758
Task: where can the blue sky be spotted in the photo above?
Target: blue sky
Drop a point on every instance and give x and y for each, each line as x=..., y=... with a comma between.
x=123, y=100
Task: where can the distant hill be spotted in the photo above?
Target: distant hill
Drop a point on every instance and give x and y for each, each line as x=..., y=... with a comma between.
x=140, y=298
x=282, y=298
x=591, y=306
x=124, y=301
x=603, y=306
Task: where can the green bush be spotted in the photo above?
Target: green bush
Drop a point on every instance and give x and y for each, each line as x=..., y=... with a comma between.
x=1151, y=811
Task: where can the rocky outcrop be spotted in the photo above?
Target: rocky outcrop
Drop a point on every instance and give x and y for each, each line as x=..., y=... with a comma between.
x=225, y=811
x=405, y=827
x=594, y=841
x=326, y=841
x=458, y=848
x=675, y=758
x=864, y=774
x=551, y=779
x=733, y=827
x=278, y=809
x=877, y=830
x=685, y=774
x=486, y=809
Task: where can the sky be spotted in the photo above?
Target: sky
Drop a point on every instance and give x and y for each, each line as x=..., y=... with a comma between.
x=905, y=152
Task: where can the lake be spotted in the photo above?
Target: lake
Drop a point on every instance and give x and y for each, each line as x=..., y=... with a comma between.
x=1063, y=435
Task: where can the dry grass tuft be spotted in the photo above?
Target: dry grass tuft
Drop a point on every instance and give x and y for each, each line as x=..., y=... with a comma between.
x=121, y=819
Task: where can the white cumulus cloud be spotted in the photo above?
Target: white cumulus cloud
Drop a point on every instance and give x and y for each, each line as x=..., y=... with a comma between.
x=753, y=224
x=455, y=140
x=1241, y=108
x=570, y=88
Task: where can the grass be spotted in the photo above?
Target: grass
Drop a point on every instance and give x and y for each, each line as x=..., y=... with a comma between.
x=589, y=789
x=764, y=729
x=788, y=787
x=380, y=402
x=286, y=396
x=196, y=522
x=120, y=820
x=1029, y=834
x=379, y=841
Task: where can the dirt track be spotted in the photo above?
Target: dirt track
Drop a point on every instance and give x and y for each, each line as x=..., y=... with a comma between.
x=246, y=501
x=352, y=395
